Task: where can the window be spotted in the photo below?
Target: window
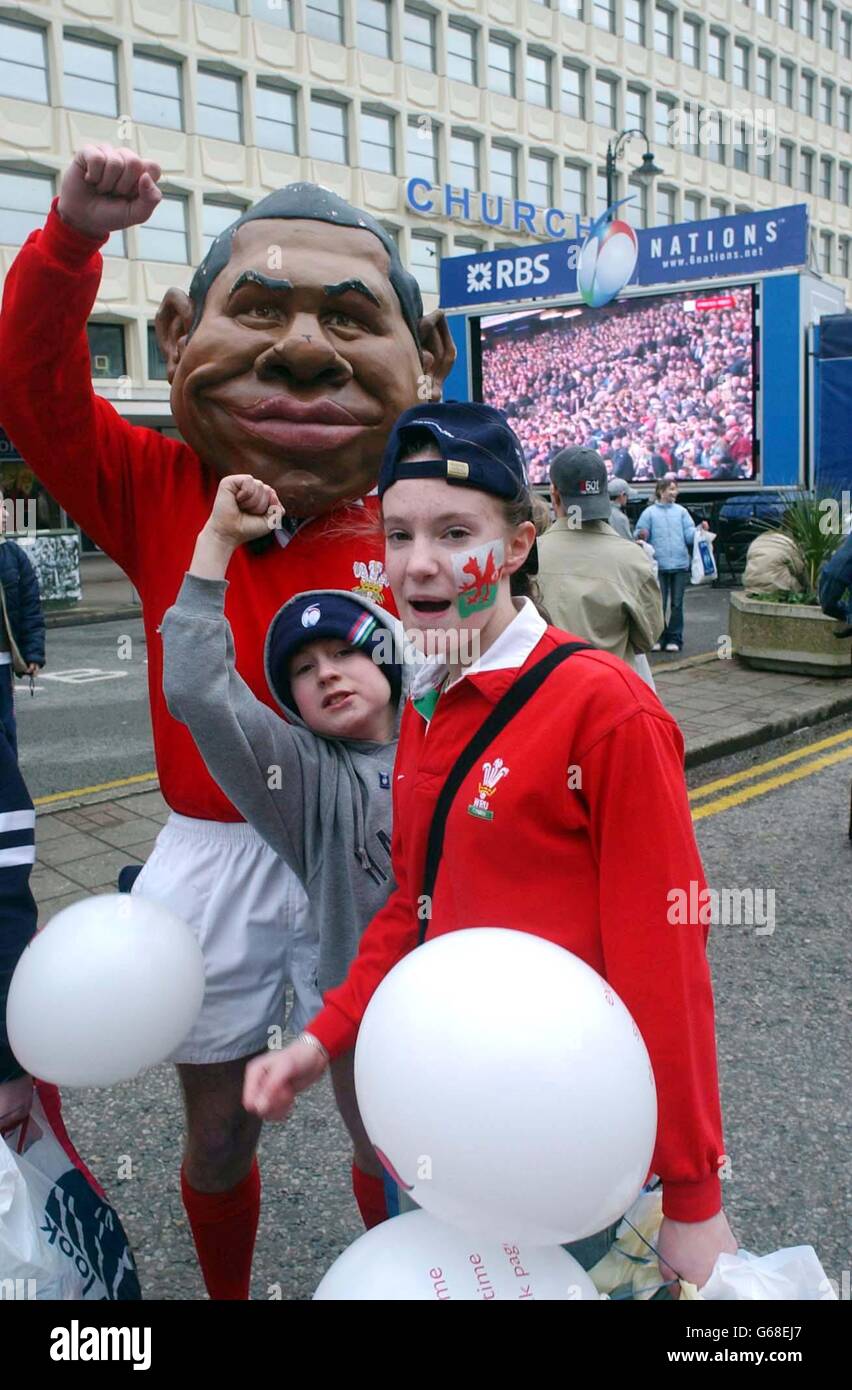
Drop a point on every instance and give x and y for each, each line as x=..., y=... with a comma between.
x=826, y=177
x=665, y=209
x=424, y=261
x=157, y=91
x=846, y=35
x=90, y=80
x=23, y=66
x=280, y=13
x=718, y=207
x=806, y=18
x=329, y=136
x=463, y=245
x=844, y=257
x=461, y=53
x=501, y=67
x=574, y=189
x=716, y=57
x=603, y=15
x=156, y=361
x=763, y=164
x=418, y=39
x=573, y=8
x=741, y=64
x=540, y=180
x=275, y=118
x=637, y=208
x=392, y=231
x=826, y=102
x=664, y=30
x=806, y=93
x=693, y=207
x=464, y=160
x=504, y=170
x=739, y=146
x=785, y=164
x=219, y=105
x=215, y=218
x=785, y=13
x=806, y=171
x=163, y=236
x=690, y=132
x=690, y=42
x=845, y=185
x=374, y=27
x=828, y=26
x=573, y=91
x=634, y=21
x=325, y=19
x=664, y=109
x=605, y=102
x=826, y=248
x=106, y=349
x=846, y=111
x=635, y=105
x=601, y=193
x=763, y=7
x=24, y=203
x=712, y=134
x=538, y=78
x=422, y=150
x=763, y=75
x=378, y=149
x=786, y=76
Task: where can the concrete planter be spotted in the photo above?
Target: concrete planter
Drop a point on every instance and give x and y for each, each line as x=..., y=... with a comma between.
x=787, y=637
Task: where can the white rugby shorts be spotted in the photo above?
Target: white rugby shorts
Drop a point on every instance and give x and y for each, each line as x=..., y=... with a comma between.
x=250, y=915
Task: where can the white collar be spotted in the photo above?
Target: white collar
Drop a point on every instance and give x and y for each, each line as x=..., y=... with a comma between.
x=510, y=651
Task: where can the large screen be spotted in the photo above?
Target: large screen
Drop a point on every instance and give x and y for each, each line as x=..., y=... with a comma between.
x=658, y=384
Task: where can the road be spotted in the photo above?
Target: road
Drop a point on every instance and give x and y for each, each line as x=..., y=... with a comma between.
x=783, y=1054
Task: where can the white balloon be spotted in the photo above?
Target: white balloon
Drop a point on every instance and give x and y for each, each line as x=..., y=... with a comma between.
x=416, y=1258
x=507, y=1087
x=109, y=987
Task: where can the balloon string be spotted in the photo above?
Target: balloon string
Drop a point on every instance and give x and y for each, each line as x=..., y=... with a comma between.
x=623, y=1297
x=654, y=1250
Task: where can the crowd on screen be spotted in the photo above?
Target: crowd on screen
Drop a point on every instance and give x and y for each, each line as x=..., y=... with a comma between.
x=655, y=388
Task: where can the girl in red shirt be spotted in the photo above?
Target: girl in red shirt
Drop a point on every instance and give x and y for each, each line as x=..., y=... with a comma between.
x=590, y=758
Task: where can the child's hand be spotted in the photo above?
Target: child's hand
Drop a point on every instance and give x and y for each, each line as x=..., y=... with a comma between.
x=691, y=1248
x=244, y=510
x=273, y=1080
x=104, y=189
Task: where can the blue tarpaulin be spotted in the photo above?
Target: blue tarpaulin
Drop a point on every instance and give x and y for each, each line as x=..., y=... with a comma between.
x=834, y=404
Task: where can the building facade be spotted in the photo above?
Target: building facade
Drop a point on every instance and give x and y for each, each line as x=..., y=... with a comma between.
x=745, y=106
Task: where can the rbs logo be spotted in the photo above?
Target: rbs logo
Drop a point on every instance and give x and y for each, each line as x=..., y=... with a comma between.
x=506, y=274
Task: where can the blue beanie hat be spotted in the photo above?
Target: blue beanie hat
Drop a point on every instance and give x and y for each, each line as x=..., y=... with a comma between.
x=312, y=616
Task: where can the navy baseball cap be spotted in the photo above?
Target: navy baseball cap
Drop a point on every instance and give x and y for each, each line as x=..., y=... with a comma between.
x=477, y=446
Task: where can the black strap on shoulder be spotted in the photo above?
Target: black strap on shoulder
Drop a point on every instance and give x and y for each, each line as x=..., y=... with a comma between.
x=504, y=711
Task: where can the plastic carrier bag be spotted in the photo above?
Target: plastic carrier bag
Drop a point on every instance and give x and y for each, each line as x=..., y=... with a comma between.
x=704, y=569
x=59, y=1236
x=792, y=1274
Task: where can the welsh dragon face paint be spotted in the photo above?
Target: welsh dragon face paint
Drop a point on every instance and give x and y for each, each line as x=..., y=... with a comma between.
x=477, y=574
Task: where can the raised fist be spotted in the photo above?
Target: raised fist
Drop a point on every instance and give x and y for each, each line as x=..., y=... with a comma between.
x=104, y=189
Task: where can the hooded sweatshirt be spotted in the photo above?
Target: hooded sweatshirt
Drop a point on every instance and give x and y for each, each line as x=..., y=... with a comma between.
x=323, y=804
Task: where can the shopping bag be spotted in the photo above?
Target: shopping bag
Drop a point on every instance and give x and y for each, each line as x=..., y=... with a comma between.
x=59, y=1236
x=793, y=1274
x=704, y=569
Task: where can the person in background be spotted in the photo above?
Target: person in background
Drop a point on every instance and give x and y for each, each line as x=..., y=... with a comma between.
x=619, y=492
x=21, y=625
x=670, y=530
x=17, y=922
x=590, y=583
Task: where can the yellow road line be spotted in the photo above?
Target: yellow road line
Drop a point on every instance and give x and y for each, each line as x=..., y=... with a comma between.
x=759, y=768
x=724, y=803
x=99, y=787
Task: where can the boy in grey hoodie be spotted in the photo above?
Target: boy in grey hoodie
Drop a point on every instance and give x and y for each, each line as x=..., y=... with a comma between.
x=315, y=780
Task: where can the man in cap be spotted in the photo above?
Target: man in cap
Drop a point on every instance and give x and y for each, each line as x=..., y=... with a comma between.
x=591, y=582
x=619, y=495
x=300, y=341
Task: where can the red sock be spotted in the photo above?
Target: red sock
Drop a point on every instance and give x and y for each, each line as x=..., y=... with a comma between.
x=370, y=1196
x=224, y=1227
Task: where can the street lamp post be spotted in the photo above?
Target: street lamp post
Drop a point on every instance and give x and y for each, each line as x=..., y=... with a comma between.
x=647, y=170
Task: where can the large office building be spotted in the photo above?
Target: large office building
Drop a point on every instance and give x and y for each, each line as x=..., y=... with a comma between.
x=745, y=106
